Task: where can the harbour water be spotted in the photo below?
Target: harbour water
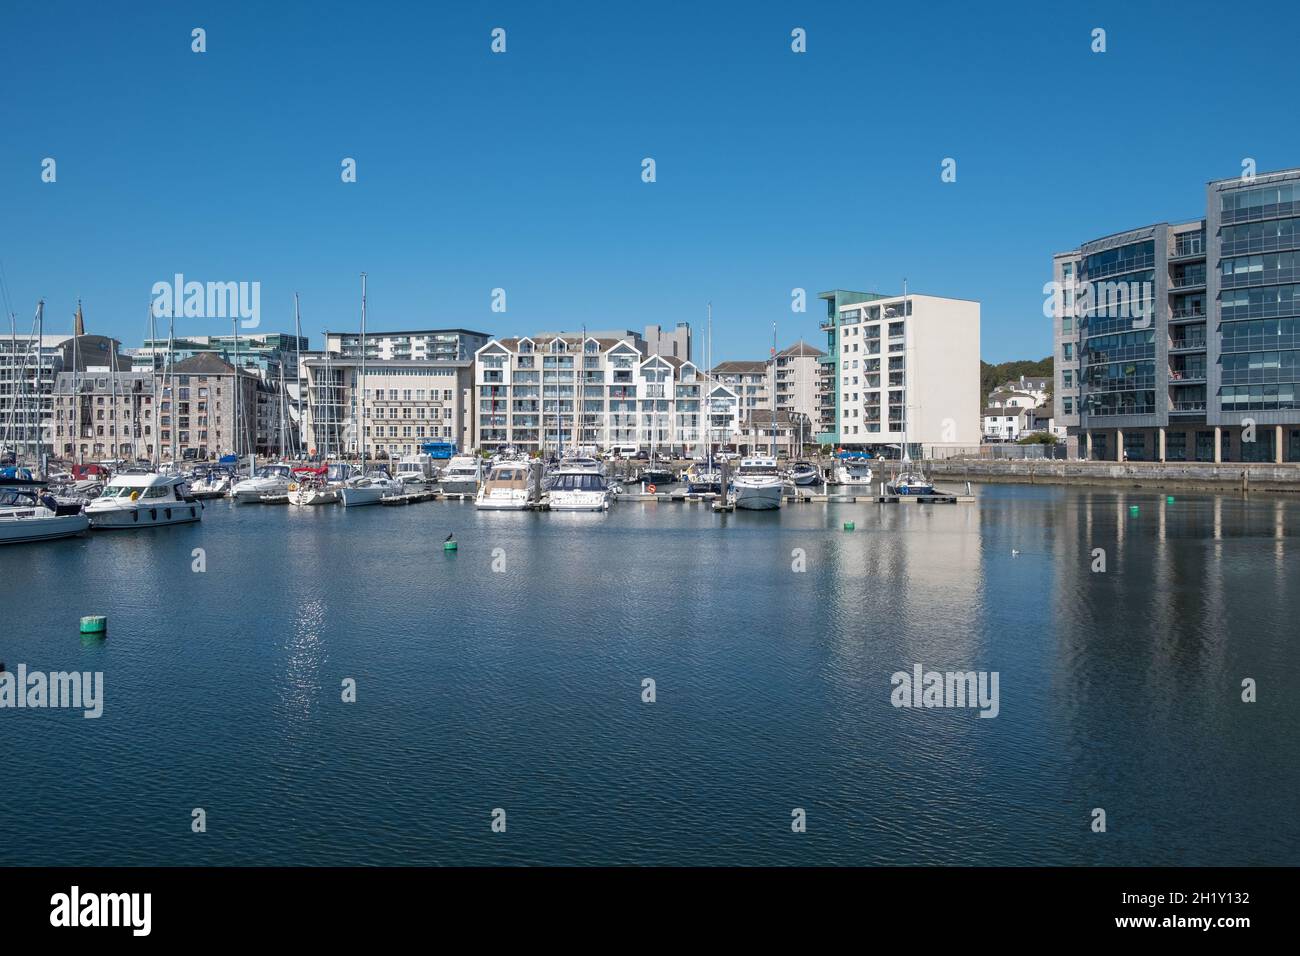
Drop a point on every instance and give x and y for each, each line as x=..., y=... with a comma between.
x=520, y=687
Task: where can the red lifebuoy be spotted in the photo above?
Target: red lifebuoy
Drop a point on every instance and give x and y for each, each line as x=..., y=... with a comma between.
x=650, y=488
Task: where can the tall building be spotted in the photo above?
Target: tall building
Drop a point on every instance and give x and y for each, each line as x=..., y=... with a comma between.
x=901, y=364
x=828, y=390
x=750, y=380
x=793, y=377
x=675, y=344
x=29, y=368
x=558, y=392
x=1181, y=342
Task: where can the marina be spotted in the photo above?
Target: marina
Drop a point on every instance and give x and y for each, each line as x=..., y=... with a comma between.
x=458, y=699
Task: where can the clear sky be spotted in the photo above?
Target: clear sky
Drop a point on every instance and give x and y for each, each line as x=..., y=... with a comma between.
x=522, y=170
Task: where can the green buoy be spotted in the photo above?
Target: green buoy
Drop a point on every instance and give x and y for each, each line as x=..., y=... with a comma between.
x=94, y=624
x=1169, y=499
x=849, y=526
x=1133, y=510
x=449, y=546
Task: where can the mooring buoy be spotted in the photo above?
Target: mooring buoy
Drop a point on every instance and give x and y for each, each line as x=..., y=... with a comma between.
x=94, y=624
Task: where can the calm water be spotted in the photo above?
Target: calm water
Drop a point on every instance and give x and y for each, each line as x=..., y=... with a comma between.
x=522, y=689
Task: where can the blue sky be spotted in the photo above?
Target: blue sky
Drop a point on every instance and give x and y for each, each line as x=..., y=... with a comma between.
x=522, y=171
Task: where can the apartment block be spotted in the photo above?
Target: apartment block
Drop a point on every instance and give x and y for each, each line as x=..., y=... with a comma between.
x=1181, y=342
x=900, y=364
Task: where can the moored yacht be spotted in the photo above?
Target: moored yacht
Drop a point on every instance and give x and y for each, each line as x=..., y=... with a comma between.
x=576, y=488
x=804, y=473
x=370, y=490
x=215, y=483
x=703, y=478
x=141, y=499
x=853, y=470
x=416, y=469
x=758, y=485
x=507, y=487
x=268, y=480
x=27, y=515
x=462, y=475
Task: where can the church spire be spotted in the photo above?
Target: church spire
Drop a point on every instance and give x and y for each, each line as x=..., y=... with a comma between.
x=80, y=328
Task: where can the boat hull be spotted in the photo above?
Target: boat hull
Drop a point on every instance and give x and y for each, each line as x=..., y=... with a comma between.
x=359, y=497
x=24, y=530
x=758, y=497
x=578, y=502
x=501, y=503
x=459, y=487
x=144, y=516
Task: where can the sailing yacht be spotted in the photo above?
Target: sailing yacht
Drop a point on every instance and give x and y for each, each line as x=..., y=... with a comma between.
x=267, y=480
x=758, y=485
x=462, y=475
x=370, y=490
x=144, y=498
x=703, y=478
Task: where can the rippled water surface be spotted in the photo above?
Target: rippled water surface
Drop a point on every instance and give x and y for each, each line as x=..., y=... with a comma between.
x=521, y=689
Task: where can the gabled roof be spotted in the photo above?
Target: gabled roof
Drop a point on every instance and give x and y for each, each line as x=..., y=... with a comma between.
x=205, y=363
x=740, y=368
x=799, y=349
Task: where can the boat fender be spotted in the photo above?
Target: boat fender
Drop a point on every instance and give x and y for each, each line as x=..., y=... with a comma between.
x=135, y=496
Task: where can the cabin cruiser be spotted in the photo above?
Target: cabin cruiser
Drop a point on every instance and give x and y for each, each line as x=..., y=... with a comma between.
x=416, y=469
x=853, y=470
x=267, y=481
x=506, y=487
x=703, y=478
x=27, y=515
x=586, y=465
x=215, y=483
x=575, y=488
x=370, y=489
x=137, y=499
x=462, y=475
x=758, y=485
x=804, y=473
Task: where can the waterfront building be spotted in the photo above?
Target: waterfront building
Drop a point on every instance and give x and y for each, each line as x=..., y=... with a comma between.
x=792, y=433
x=675, y=344
x=1005, y=423
x=1181, y=342
x=560, y=392
x=407, y=402
x=897, y=361
x=29, y=368
x=751, y=382
x=419, y=345
x=793, y=377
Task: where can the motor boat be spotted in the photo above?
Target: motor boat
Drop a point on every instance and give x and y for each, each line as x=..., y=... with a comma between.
x=28, y=515
x=267, y=481
x=703, y=478
x=507, y=487
x=576, y=488
x=137, y=499
x=416, y=469
x=804, y=473
x=215, y=483
x=322, y=486
x=586, y=465
x=758, y=485
x=853, y=470
x=462, y=475
x=370, y=489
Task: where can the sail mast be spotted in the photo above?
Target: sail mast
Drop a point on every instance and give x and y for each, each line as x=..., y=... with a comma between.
x=361, y=428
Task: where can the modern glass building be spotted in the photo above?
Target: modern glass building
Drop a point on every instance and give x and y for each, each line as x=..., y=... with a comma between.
x=1181, y=342
x=828, y=385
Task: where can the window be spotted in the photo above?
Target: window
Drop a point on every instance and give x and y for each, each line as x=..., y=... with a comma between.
x=1068, y=351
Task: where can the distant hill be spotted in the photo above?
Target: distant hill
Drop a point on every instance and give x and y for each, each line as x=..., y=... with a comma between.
x=991, y=376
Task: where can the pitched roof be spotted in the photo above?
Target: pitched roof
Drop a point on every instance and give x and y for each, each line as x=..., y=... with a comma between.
x=739, y=368
x=801, y=348
x=204, y=363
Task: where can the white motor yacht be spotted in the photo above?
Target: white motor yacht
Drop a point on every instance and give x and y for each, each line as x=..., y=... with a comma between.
x=507, y=487
x=26, y=515
x=758, y=485
x=416, y=469
x=462, y=475
x=577, y=488
x=142, y=499
x=853, y=471
x=267, y=481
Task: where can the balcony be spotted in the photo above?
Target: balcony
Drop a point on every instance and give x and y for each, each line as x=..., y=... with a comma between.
x=1188, y=247
x=1187, y=408
x=1189, y=279
x=1187, y=343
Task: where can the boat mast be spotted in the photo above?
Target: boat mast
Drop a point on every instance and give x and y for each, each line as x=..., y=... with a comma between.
x=708, y=388
x=297, y=368
x=774, y=393
x=234, y=327
x=174, y=406
x=362, y=427
x=153, y=384
x=40, y=373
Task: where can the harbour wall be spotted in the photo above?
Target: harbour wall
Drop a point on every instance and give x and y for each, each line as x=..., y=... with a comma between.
x=1188, y=476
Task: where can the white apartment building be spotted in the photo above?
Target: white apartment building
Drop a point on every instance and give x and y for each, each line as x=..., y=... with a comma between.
x=793, y=376
x=909, y=362
x=406, y=402
x=452, y=345
x=558, y=393
x=26, y=403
